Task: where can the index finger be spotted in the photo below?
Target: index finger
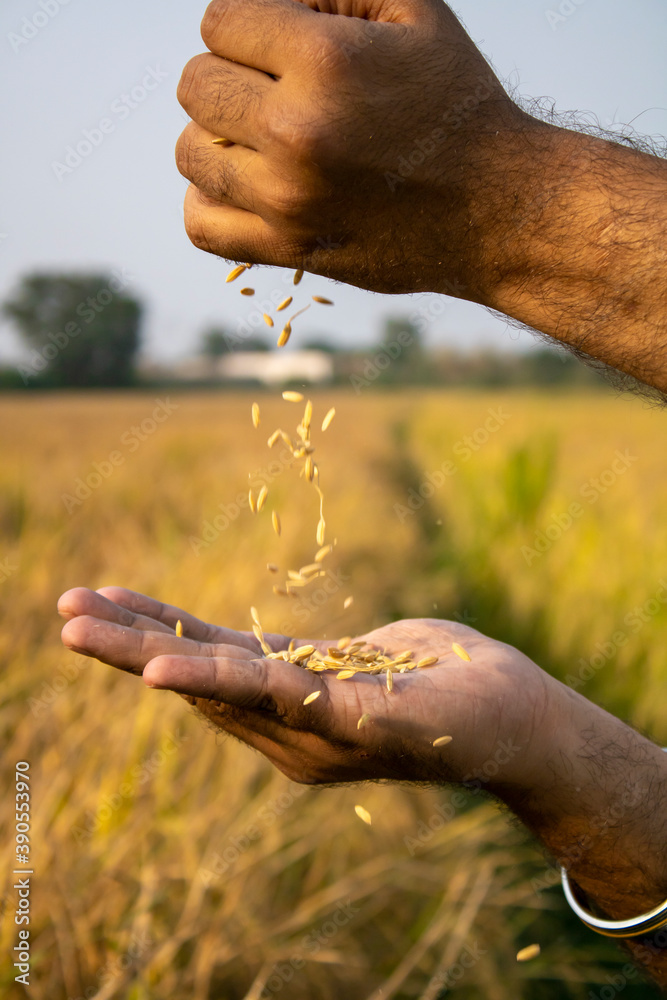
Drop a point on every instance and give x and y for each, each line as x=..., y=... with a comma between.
x=264, y=34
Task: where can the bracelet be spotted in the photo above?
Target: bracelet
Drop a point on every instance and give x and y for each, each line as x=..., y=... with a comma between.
x=633, y=927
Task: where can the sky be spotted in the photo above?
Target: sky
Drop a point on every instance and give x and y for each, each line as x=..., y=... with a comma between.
x=66, y=64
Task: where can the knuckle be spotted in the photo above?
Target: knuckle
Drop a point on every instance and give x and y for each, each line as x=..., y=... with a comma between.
x=189, y=84
x=212, y=21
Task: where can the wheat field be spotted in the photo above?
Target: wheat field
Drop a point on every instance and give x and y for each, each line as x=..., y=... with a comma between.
x=172, y=862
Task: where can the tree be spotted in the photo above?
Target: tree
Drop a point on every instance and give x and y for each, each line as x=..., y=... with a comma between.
x=216, y=342
x=82, y=330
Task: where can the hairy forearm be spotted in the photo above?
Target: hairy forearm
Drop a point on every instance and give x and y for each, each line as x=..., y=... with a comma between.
x=573, y=243
x=599, y=805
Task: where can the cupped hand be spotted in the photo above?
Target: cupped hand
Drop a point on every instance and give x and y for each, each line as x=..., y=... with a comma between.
x=499, y=706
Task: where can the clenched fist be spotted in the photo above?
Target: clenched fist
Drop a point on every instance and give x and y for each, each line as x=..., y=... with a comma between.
x=360, y=134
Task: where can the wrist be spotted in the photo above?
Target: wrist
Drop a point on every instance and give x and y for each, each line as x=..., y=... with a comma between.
x=596, y=800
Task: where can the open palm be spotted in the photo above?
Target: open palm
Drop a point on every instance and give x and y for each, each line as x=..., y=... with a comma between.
x=498, y=698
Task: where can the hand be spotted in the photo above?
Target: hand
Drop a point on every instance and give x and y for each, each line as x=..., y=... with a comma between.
x=498, y=707
x=362, y=141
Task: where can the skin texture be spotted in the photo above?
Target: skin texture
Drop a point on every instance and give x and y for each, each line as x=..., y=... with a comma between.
x=372, y=143
x=583, y=782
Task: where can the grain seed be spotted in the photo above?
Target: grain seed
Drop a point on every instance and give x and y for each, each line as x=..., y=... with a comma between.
x=309, y=469
x=292, y=397
x=284, y=304
x=233, y=274
x=442, y=741
x=179, y=628
x=345, y=641
x=460, y=651
x=267, y=319
x=251, y=502
x=426, y=661
x=261, y=499
x=311, y=697
x=363, y=814
x=255, y=415
x=247, y=291
x=307, y=415
x=532, y=951
x=275, y=520
x=279, y=591
x=284, y=335
x=254, y=614
x=328, y=418
x=298, y=275
x=274, y=437
x=390, y=681
x=348, y=602
x=272, y=568
x=344, y=675
x=224, y=143
x=363, y=720
x=321, y=528
x=323, y=553
x=322, y=300
x=292, y=646
x=302, y=651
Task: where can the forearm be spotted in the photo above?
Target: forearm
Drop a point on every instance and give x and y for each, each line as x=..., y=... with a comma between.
x=572, y=242
x=599, y=805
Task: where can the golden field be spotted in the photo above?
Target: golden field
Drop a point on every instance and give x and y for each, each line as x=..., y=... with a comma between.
x=173, y=863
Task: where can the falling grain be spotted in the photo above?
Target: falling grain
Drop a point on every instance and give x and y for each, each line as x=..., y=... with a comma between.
x=348, y=602
x=267, y=319
x=255, y=415
x=254, y=614
x=363, y=720
x=426, y=661
x=272, y=568
x=312, y=697
x=284, y=304
x=322, y=300
x=275, y=520
x=233, y=274
x=261, y=499
x=247, y=291
x=298, y=275
x=284, y=335
x=532, y=951
x=323, y=553
x=328, y=418
x=442, y=741
x=274, y=437
x=293, y=397
x=179, y=628
x=460, y=651
x=363, y=814
x=251, y=502
x=321, y=528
